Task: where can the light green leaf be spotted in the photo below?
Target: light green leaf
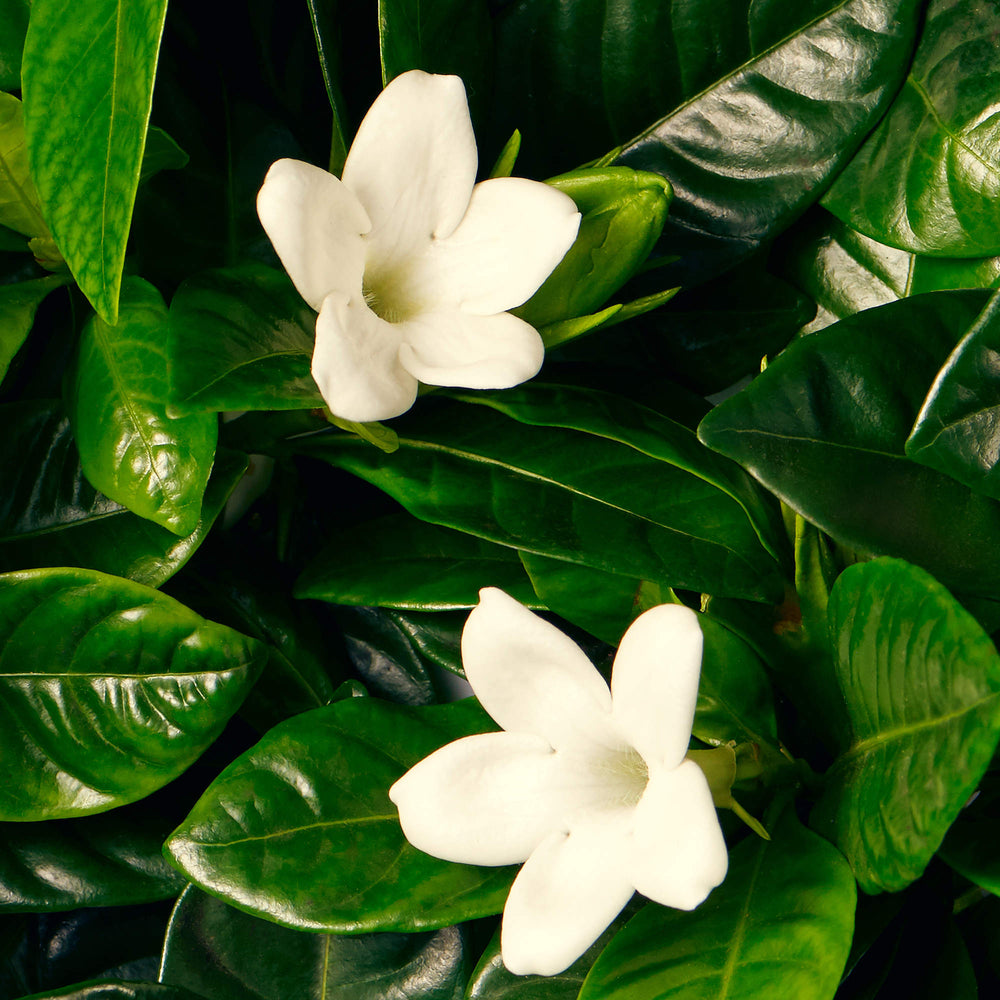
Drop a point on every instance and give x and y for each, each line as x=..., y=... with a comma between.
x=20, y=208
x=18, y=305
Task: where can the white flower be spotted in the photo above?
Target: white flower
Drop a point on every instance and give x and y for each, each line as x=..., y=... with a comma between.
x=589, y=787
x=410, y=263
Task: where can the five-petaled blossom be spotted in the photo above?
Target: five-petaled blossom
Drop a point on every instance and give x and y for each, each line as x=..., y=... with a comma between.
x=589, y=787
x=410, y=264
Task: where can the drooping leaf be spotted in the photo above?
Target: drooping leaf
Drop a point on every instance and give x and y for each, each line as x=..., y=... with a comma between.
x=87, y=77
x=50, y=515
x=18, y=304
x=241, y=339
x=400, y=562
x=222, y=954
x=921, y=683
x=13, y=25
x=300, y=829
x=928, y=178
x=779, y=925
x=154, y=464
x=110, y=690
x=824, y=428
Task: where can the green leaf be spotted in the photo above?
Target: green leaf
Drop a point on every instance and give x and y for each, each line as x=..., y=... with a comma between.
x=400, y=562
x=222, y=954
x=109, y=690
x=161, y=153
x=750, y=152
x=957, y=430
x=241, y=339
x=326, y=31
x=835, y=410
x=20, y=208
x=115, y=989
x=928, y=178
x=18, y=304
x=300, y=829
x=921, y=682
x=447, y=36
x=13, y=25
x=155, y=465
x=87, y=76
x=780, y=925
x=50, y=515
x=641, y=507
x=623, y=214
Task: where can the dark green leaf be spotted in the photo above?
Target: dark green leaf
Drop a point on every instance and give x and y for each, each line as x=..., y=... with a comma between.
x=18, y=305
x=13, y=25
x=400, y=562
x=300, y=829
x=155, y=465
x=88, y=87
x=111, y=989
x=109, y=690
x=957, y=430
x=824, y=428
x=780, y=925
x=50, y=515
x=327, y=32
x=161, y=153
x=921, y=682
x=750, y=152
x=241, y=339
x=20, y=208
x=222, y=954
x=928, y=178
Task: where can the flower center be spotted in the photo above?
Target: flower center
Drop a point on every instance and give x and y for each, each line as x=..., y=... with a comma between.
x=623, y=775
x=388, y=293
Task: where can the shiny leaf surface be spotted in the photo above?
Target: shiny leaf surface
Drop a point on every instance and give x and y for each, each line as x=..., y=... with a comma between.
x=300, y=829
x=87, y=76
x=220, y=953
x=779, y=925
x=155, y=465
x=112, y=989
x=921, y=682
x=109, y=690
x=928, y=178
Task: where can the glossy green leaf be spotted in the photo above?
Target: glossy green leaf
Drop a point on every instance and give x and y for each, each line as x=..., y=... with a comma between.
x=113, y=859
x=220, y=953
x=824, y=428
x=13, y=25
x=109, y=690
x=750, y=152
x=579, y=495
x=921, y=682
x=87, y=76
x=114, y=989
x=50, y=515
x=241, y=339
x=18, y=304
x=780, y=925
x=300, y=829
x=970, y=848
x=324, y=17
x=20, y=208
x=400, y=562
x=623, y=212
x=957, y=430
x=155, y=465
x=928, y=178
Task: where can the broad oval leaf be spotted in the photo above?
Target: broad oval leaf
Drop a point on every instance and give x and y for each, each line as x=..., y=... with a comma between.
x=50, y=515
x=780, y=925
x=928, y=178
x=400, y=562
x=109, y=690
x=824, y=428
x=241, y=339
x=155, y=465
x=921, y=683
x=220, y=953
x=87, y=76
x=300, y=829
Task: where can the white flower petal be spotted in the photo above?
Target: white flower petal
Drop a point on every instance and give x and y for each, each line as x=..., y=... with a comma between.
x=478, y=352
x=356, y=362
x=491, y=799
x=413, y=163
x=315, y=225
x=513, y=235
x=678, y=853
x=567, y=893
x=654, y=682
x=532, y=678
